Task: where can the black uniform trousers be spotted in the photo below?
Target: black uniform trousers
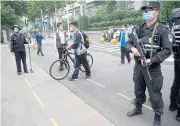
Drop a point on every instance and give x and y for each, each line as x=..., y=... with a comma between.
x=21, y=56
x=154, y=86
x=175, y=89
x=81, y=60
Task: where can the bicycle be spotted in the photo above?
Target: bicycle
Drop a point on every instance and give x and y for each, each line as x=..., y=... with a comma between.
x=63, y=64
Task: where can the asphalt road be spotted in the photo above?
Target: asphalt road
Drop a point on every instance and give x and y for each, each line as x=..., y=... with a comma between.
x=110, y=89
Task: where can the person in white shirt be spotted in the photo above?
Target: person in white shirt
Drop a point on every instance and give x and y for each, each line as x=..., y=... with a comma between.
x=60, y=39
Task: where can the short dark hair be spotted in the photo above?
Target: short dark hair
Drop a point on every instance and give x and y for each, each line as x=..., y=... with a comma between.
x=58, y=24
x=73, y=23
x=125, y=25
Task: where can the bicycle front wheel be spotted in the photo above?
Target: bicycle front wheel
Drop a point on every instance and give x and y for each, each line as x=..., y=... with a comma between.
x=90, y=62
x=59, y=69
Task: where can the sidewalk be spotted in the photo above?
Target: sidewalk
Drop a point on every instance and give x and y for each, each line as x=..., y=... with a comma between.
x=37, y=99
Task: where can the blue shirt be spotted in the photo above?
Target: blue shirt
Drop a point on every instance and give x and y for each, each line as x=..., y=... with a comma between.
x=39, y=39
x=123, y=40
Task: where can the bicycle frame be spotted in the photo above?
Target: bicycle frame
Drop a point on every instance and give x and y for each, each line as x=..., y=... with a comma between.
x=68, y=54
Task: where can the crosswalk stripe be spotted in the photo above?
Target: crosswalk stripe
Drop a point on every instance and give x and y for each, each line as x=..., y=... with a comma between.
x=114, y=50
x=105, y=44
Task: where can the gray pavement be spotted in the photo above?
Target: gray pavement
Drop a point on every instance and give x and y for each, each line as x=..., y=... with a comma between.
x=110, y=89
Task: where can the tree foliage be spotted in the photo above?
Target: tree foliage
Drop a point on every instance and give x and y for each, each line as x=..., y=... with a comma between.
x=166, y=9
x=8, y=17
x=19, y=7
x=47, y=7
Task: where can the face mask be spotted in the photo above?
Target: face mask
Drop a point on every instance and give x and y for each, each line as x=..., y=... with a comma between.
x=60, y=28
x=71, y=29
x=148, y=16
x=16, y=30
x=123, y=28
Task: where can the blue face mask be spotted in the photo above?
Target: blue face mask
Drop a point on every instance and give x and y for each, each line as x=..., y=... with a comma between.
x=148, y=16
x=16, y=30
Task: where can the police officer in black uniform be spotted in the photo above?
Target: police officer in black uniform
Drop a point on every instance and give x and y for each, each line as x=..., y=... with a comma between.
x=158, y=49
x=17, y=46
x=175, y=89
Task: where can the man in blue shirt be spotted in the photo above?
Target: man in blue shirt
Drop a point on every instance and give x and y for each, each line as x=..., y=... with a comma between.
x=39, y=39
x=79, y=51
x=124, y=37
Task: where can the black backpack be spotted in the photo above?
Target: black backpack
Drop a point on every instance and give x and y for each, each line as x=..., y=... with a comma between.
x=86, y=40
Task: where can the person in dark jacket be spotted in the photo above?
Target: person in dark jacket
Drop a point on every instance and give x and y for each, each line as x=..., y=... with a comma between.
x=17, y=46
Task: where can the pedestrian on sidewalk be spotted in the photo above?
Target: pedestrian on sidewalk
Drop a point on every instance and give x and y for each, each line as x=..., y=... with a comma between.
x=124, y=37
x=17, y=46
x=60, y=39
x=79, y=51
x=39, y=39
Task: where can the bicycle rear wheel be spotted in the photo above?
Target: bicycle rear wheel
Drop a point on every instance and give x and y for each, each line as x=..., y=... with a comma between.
x=90, y=62
x=59, y=69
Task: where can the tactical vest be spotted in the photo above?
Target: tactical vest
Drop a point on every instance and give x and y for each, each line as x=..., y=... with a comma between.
x=157, y=45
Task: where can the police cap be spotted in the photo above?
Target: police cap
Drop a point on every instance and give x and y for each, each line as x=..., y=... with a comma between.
x=150, y=4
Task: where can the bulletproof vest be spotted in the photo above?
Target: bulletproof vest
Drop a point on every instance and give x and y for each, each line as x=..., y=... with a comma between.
x=146, y=40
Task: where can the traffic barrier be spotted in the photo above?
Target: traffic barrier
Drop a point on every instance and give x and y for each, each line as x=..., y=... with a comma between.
x=102, y=41
x=90, y=41
x=113, y=41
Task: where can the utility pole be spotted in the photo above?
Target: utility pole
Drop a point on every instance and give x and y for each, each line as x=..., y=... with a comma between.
x=55, y=14
x=42, y=21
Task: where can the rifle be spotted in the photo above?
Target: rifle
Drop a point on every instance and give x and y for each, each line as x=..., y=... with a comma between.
x=141, y=49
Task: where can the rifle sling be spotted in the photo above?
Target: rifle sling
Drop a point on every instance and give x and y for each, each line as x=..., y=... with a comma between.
x=155, y=27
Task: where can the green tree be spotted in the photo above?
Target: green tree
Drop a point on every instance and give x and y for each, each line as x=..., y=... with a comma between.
x=166, y=9
x=8, y=17
x=111, y=6
x=20, y=7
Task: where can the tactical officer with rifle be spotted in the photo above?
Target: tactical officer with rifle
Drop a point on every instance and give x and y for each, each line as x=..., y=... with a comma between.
x=175, y=89
x=150, y=46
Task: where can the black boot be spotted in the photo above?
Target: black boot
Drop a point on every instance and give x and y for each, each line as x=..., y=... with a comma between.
x=178, y=115
x=173, y=106
x=157, y=120
x=136, y=111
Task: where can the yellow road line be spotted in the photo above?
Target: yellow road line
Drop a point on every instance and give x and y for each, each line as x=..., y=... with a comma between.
x=28, y=84
x=53, y=122
x=96, y=83
x=131, y=99
x=147, y=107
x=38, y=99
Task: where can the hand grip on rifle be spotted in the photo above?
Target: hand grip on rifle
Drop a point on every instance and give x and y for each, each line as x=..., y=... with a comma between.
x=140, y=52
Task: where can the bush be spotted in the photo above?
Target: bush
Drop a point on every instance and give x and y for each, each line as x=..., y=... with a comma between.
x=83, y=22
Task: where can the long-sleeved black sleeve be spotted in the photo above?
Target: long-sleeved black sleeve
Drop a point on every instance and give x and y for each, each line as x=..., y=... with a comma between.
x=166, y=47
x=12, y=45
x=25, y=40
x=77, y=41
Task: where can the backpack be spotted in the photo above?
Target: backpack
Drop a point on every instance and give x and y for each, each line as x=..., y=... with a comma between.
x=86, y=40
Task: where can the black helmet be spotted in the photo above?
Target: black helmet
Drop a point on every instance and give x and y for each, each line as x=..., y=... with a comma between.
x=15, y=26
x=150, y=4
x=175, y=13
